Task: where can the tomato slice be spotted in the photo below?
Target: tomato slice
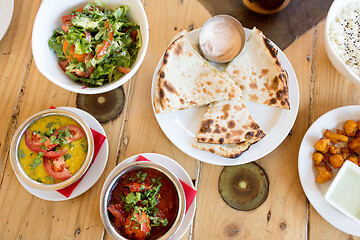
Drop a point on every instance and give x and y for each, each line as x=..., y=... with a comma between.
x=53, y=154
x=133, y=35
x=64, y=64
x=71, y=53
x=66, y=20
x=124, y=70
x=101, y=52
x=75, y=131
x=57, y=168
x=89, y=70
x=33, y=142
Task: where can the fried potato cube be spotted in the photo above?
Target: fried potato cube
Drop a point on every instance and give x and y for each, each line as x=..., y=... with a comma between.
x=334, y=137
x=334, y=150
x=322, y=145
x=336, y=161
x=342, y=132
x=324, y=175
x=353, y=159
x=344, y=152
x=350, y=128
x=354, y=145
x=317, y=157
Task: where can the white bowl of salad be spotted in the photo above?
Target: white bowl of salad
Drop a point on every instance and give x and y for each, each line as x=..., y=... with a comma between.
x=90, y=47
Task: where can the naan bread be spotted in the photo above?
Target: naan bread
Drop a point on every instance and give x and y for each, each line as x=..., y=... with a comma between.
x=187, y=80
x=259, y=74
x=229, y=122
x=227, y=129
x=226, y=150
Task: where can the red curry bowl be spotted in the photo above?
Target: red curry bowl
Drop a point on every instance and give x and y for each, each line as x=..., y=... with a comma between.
x=124, y=173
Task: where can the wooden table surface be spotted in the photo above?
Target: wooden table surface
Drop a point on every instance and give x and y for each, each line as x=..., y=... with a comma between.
x=286, y=214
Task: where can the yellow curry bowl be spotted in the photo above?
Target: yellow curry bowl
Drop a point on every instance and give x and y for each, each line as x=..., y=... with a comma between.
x=31, y=164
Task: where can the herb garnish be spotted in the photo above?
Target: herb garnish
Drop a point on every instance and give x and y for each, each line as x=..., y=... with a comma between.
x=21, y=154
x=84, y=145
x=37, y=161
x=67, y=156
x=50, y=124
x=145, y=201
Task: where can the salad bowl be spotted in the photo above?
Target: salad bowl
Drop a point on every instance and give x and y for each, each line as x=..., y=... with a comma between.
x=49, y=17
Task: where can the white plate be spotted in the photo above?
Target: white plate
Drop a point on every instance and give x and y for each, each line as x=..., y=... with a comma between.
x=6, y=12
x=93, y=173
x=182, y=127
x=175, y=168
x=316, y=192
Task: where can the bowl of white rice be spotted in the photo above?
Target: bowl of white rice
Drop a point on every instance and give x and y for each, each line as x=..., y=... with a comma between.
x=342, y=38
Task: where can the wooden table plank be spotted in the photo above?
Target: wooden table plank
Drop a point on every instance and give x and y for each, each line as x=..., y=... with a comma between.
x=15, y=59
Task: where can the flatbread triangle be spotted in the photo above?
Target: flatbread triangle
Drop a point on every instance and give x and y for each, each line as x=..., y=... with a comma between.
x=187, y=80
x=228, y=129
x=259, y=74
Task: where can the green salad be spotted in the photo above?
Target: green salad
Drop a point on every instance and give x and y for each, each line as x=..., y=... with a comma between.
x=96, y=45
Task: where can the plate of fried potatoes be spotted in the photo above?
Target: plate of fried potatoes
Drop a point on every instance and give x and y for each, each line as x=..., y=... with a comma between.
x=330, y=141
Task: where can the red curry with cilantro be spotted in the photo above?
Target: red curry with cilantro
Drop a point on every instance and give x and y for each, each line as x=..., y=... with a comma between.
x=143, y=204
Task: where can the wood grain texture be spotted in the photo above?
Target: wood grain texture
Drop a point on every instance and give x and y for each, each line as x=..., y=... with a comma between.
x=285, y=215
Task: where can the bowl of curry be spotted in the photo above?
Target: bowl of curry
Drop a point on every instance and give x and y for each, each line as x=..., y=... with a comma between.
x=51, y=149
x=142, y=200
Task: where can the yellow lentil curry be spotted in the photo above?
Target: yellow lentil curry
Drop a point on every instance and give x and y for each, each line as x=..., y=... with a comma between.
x=52, y=149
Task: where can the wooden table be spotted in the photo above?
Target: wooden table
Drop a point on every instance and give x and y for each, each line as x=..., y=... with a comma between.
x=285, y=215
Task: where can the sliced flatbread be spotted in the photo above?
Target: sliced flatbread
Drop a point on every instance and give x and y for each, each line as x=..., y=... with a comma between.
x=226, y=150
x=187, y=80
x=227, y=129
x=259, y=74
x=228, y=122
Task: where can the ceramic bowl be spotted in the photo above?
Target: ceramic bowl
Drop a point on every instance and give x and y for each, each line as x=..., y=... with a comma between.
x=111, y=182
x=338, y=63
x=48, y=19
x=14, y=158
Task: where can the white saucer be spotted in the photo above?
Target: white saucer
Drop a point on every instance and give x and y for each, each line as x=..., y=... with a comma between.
x=178, y=170
x=94, y=172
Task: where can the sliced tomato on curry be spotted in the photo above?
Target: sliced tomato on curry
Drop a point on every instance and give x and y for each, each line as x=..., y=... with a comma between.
x=35, y=143
x=57, y=168
x=75, y=131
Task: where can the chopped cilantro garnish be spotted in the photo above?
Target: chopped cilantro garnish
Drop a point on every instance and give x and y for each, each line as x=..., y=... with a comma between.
x=67, y=156
x=84, y=145
x=36, y=162
x=145, y=201
x=44, y=147
x=50, y=124
x=49, y=179
x=70, y=145
x=21, y=154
